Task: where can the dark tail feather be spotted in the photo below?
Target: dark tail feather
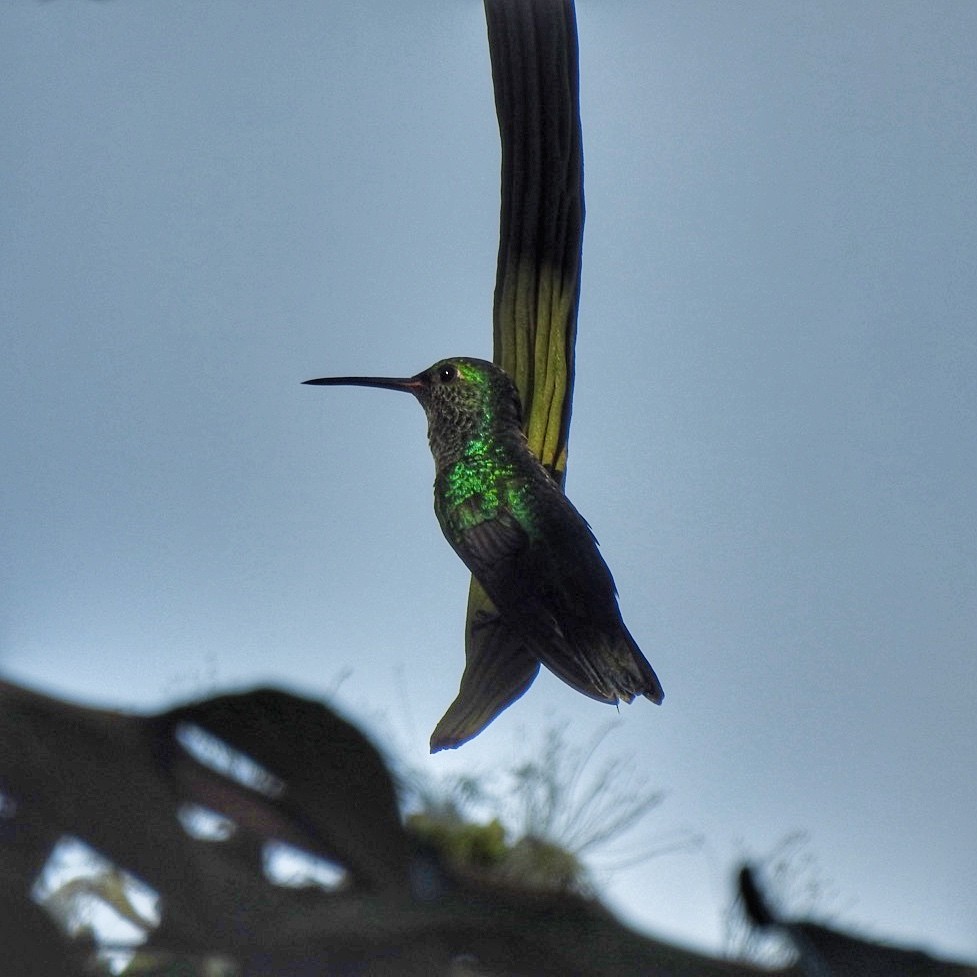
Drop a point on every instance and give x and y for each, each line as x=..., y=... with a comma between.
x=605, y=668
x=621, y=670
x=645, y=680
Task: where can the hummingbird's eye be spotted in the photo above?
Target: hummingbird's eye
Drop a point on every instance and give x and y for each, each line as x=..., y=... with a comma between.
x=447, y=373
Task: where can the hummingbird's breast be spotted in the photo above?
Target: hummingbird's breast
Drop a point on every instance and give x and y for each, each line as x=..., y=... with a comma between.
x=483, y=484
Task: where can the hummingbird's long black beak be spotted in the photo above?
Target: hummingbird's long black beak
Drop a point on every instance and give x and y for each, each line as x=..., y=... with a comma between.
x=409, y=385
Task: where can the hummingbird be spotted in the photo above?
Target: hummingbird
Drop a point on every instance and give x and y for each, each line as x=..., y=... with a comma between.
x=532, y=552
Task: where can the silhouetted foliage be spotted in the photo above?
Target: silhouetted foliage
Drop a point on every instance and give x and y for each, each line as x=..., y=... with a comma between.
x=792, y=879
x=273, y=773
x=546, y=819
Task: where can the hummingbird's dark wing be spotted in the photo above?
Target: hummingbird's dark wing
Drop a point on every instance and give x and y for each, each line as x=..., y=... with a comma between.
x=578, y=590
x=498, y=670
x=515, y=572
x=552, y=586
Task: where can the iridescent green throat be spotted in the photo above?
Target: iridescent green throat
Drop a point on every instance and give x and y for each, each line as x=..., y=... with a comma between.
x=484, y=482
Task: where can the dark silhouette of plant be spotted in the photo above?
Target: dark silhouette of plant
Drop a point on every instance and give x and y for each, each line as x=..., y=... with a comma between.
x=792, y=880
x=552, y=820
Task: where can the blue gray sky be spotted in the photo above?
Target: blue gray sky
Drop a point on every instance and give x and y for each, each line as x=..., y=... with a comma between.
x=774, y=426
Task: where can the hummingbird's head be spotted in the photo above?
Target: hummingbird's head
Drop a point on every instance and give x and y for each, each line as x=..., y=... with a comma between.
x=463, y=399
